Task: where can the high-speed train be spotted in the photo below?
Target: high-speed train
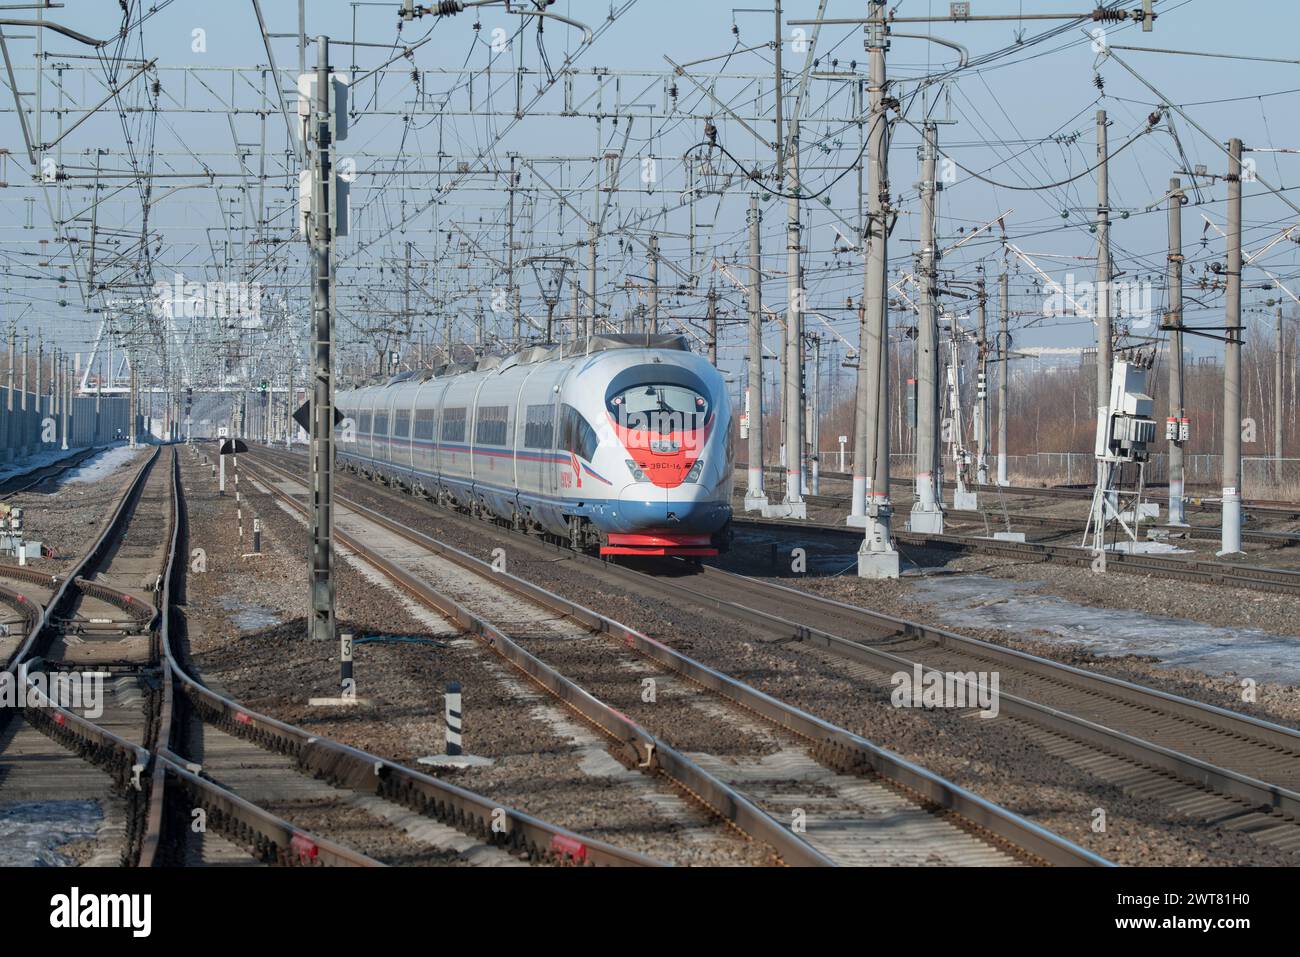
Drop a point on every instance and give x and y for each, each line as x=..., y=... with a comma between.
x=617, y=443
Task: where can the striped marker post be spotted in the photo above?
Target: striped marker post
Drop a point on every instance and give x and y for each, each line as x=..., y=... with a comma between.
x=345, y=664
x=453, y=718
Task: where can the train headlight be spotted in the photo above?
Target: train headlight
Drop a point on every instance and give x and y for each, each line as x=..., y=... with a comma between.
x=635, y=470
x=694, y=474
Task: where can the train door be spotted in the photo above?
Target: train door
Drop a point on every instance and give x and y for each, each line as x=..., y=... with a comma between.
x=367, y=406
x=402, y=421
x=531, y=439
x=472, y=425
x=439, y=391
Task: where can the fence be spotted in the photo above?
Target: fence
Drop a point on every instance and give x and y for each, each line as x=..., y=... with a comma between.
x=92, y=420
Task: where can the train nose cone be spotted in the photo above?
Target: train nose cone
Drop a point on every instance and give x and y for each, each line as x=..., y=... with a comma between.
x=643, y=506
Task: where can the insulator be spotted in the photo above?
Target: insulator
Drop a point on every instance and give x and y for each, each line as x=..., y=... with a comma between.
x=1102, y=15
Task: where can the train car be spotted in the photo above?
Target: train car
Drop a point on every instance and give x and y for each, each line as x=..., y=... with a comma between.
x=620, y=444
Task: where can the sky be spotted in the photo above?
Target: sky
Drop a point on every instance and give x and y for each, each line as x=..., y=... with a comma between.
x=1022, y=115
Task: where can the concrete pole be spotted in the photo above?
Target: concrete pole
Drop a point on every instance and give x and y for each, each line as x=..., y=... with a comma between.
x=23, y=426
x=134, y=408
x=927, y=510
x=41, y=408
x=877, y=557
x=652, y=267
x=1176, y=411
x=9, y=433
x=27, y=358
x=577, y=296
x=982, y=388
x=755, y=493
x=515, y=305
x=866, y=412
x=1103, y=285
x=1277, y=393
x=1004, y=367
x=66, y=400
x=290, y=426
x=1231, y=521
x=793, y=505
x=322, y=419
x=814, y=419
x=591, y=281
x=711, y=319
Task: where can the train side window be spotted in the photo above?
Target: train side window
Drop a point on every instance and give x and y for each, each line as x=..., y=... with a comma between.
x=539, y=427
x=576, y=434
x=490, y=425
x=363, y=422
x=453, y=425
x=381, y=423
x=424, y=424
x=402, y=427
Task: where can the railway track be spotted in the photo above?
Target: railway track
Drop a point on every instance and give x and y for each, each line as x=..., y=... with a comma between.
x=253, y=775
x=1252, y=764
x=1217, y=766
x=57, y=754
x=101, y=750
x=16, y=484
x=134, y=756
x=1255, y=577
x=996, y=520
x=821, y=743
x=1264, y=508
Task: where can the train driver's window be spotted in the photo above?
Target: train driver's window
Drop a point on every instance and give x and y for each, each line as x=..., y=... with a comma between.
x=659, y=408
x=576, y=434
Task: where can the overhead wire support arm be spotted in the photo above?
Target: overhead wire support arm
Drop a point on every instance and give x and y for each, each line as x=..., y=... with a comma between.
x=57, y=28
x=446, y=8
x=680, y=71
x=1166, y=101
x=1145, y=16
x=112, y=93
x=279, y=90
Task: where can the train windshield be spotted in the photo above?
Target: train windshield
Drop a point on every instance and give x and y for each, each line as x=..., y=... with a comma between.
x=659, y=408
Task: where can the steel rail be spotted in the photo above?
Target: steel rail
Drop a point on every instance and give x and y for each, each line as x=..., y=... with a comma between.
x=1187, y=767
x=16, y=484
x=1062, y=524
x=244, y=823
x=350, y=767
x=641, y=749
x=846, y=749
x=268, y=837
x=30, y=610
x=66, y=582
x=1254, y=577
x=1280, y=509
